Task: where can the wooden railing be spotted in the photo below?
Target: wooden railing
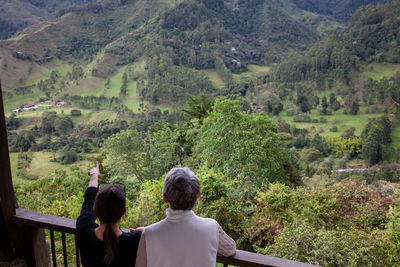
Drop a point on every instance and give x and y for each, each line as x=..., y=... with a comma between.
x=67, y=226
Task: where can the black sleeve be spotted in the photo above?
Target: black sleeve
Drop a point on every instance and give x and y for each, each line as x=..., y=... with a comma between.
x=86, y=220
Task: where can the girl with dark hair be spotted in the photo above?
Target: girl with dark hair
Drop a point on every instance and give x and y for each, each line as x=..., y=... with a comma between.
x=105, y=244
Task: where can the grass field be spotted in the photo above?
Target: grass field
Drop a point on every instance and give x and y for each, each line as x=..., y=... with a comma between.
x=253, y=70
x=17, y=100
x=258, y=69
x=14, y=166
x=32, y=117
x=339, y=119
x=396, y=136
x=377, y=71
x=115, y=84
x=87, y=87
x=215, y=78
x=42, y=165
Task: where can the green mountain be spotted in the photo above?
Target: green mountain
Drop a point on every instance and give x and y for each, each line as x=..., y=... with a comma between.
x=16, y=15
x=107, y=35
x=340, y=10
x=373, y=35
x=86, y=49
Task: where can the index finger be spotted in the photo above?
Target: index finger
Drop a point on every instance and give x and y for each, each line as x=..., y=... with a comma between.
x=97, y=164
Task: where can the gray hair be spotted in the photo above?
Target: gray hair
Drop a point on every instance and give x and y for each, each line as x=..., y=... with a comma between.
x=181, y=188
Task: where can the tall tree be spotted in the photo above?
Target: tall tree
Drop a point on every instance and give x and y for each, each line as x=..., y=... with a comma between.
x=244, y=146
x=122, y=92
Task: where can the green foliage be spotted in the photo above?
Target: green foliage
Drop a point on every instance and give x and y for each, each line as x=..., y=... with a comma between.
x=165, y=150
x=369, y=37
x=328, y=248
x=377, y=133
x=122, y=92
x=320, y=143
x=67, y=155
x=149, y=207
x=243, y=146
x=199, y=106
x=63, y=125
x=76, y=113
x=48, y=122
x=274, y=104
x=311, y=154
x=302, y=117
x=125, y=155
x=341, y=225
x=52, y=195
x=393, y=235
x=174, y=85
x=324, y=105
x=220, y=199
x=223, y=71
x=12, y=123
x=334, y=103
x=54, y=124
x=340, y=10
x=77, y=73
x=303, y=100
x=341, y=146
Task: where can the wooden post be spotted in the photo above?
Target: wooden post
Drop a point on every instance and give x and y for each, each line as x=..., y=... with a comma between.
x=7, y=196
x=31, y=239
x=34, y=246
x=6, y=252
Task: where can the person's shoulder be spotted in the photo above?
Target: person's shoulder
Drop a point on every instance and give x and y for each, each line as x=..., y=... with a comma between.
x=156, y=225
x=206, y=220
x=130, y=236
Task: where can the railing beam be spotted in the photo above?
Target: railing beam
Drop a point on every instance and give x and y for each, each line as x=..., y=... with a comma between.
x=241, y=258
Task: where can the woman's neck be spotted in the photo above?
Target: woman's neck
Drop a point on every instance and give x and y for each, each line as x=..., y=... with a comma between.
x=102, y=227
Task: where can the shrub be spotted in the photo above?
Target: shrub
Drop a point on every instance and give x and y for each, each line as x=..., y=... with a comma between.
x=76, y=113
x=323, y=120
x=290, y=111
x=349, y=132
x=333, y=129
x=301, y=141
x=311, y=154
x=302, y=118
x=335, y=121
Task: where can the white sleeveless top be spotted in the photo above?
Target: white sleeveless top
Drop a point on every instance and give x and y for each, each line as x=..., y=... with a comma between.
x=182, y=239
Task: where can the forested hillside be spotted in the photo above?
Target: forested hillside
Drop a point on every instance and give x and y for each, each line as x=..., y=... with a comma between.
x=373, y=35
x=130, y=30
x=341, y=10
x=19, y=14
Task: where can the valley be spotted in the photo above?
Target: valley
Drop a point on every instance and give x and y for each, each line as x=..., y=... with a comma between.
x=265, y=100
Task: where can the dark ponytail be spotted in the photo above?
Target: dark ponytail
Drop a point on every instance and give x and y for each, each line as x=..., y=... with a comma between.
x=111, y=241
x=109, y=207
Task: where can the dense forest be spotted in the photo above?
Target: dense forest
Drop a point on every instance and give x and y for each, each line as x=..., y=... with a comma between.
x=288, y=112
x=372, y=36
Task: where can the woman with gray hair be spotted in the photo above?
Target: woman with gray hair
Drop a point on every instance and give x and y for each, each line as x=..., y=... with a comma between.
x=183, y=238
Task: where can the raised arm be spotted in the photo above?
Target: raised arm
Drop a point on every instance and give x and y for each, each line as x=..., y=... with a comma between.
x=86, y=220
x=94, y=176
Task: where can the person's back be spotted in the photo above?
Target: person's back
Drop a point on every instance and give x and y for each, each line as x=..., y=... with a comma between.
x=183, y=238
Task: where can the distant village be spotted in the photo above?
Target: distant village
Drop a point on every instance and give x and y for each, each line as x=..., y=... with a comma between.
x=35, y=106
